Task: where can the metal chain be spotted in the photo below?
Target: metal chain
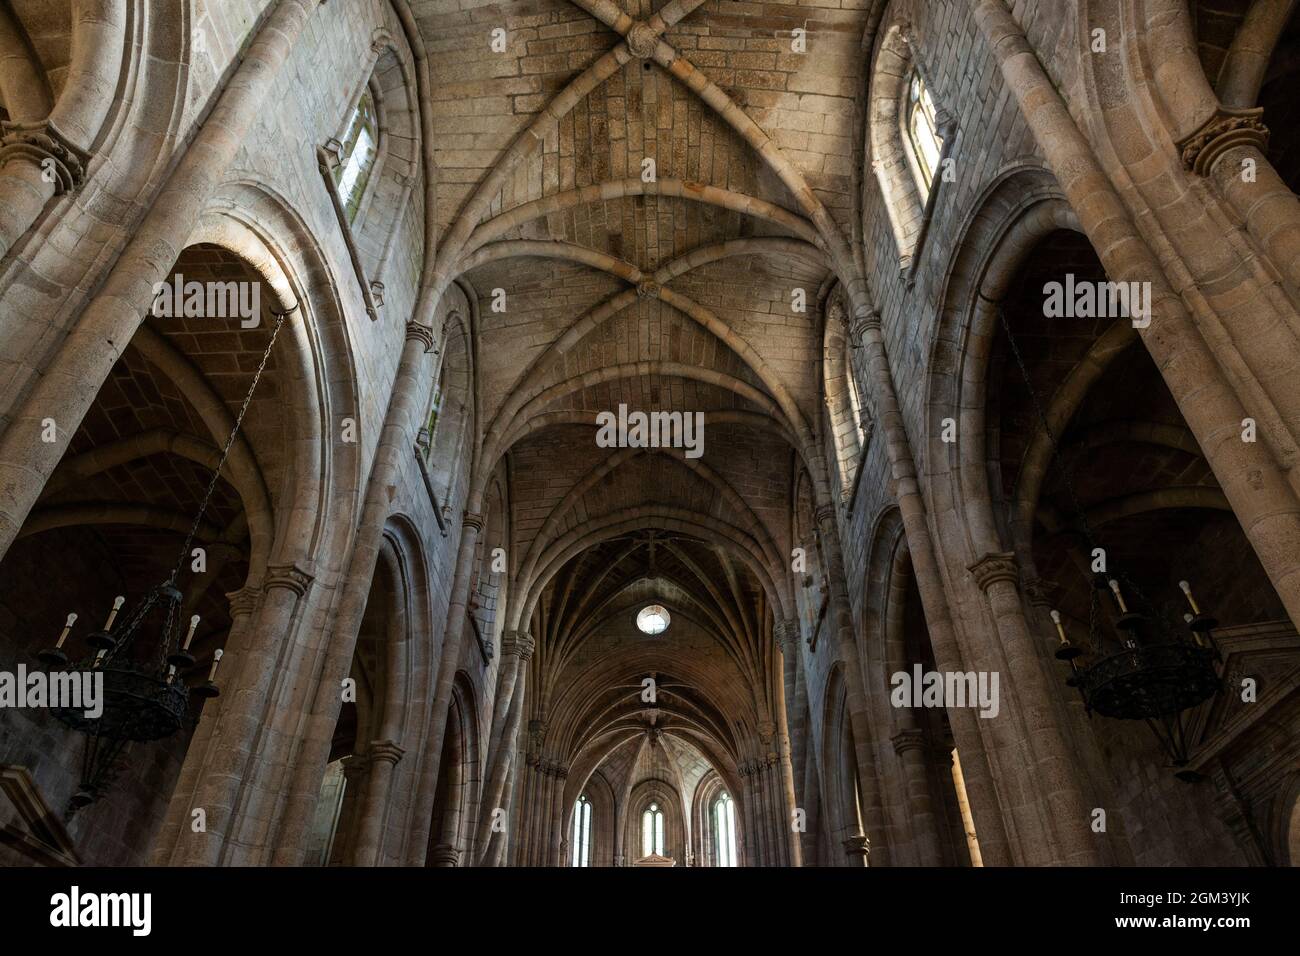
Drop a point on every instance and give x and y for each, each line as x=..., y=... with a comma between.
x=230, y=442
x=1066, y=475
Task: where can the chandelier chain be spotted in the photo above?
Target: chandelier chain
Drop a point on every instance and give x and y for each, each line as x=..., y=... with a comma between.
x=230, y=442
x=1066, y=476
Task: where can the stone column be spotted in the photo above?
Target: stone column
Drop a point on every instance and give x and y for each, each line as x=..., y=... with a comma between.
x=909, y=745
x=1054, y=785
x=242, y=604
x=392, y=453
x=223, y=789
x=859, y=714
x=768, y=807
x=356, y=769
x=517, y=648
x=1264, y=501
x=449, y=660
x=372, y=814
x=69, y=384
x=867, y=335
x=787, y=638
x=856, y=849
x=1229, y=143
x=753, y=841
x=444, y=855
x=37, y=163
x=556, y=774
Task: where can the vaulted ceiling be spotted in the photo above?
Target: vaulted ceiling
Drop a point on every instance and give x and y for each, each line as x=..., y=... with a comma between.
x=640, y=196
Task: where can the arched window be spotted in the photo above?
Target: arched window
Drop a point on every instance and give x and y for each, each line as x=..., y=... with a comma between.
x=360, y=148
x=724, y=831
x=652, y=831
x=922, y=131
x=581, y=839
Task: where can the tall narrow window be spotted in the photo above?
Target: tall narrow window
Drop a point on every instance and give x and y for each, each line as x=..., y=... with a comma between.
x=357, y=157
x=724, y=831
x=922, y=131
x=581, y=832
x=855, y=403
x=652, y=831
x=431, y=427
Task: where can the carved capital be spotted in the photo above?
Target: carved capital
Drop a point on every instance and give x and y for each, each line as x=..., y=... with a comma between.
x=355, y=767
x=385, y=750
x=993, y=567
x=910, y=739
x=787, y=634
x=1221, y=132
x=377, y=293
x=642, y=40
x=44, y=146
x=444, y=854
x=473, y=519
x=518, y=643
x=1041, y=592
x=420, y=333
x=862, y=323
x=825, y=516
x=244, y=601
x=857, y=845
x=288, y=576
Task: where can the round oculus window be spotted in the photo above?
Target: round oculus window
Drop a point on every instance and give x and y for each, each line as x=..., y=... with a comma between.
x=653, y=619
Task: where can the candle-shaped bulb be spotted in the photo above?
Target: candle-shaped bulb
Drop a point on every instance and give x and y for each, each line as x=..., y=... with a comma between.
x=216, y=659
x=1188, y=618
x=1191, y=601
x=67, y=627
x=112, y=615
x=100, y=656
x=1119, y=597
x=171, y=673
x=194, y=623
x=1060, y=629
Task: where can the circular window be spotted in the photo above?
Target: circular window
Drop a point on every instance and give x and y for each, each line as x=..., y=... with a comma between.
x=653, y=619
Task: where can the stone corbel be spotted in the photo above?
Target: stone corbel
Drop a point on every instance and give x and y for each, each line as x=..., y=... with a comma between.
x=331, y=154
